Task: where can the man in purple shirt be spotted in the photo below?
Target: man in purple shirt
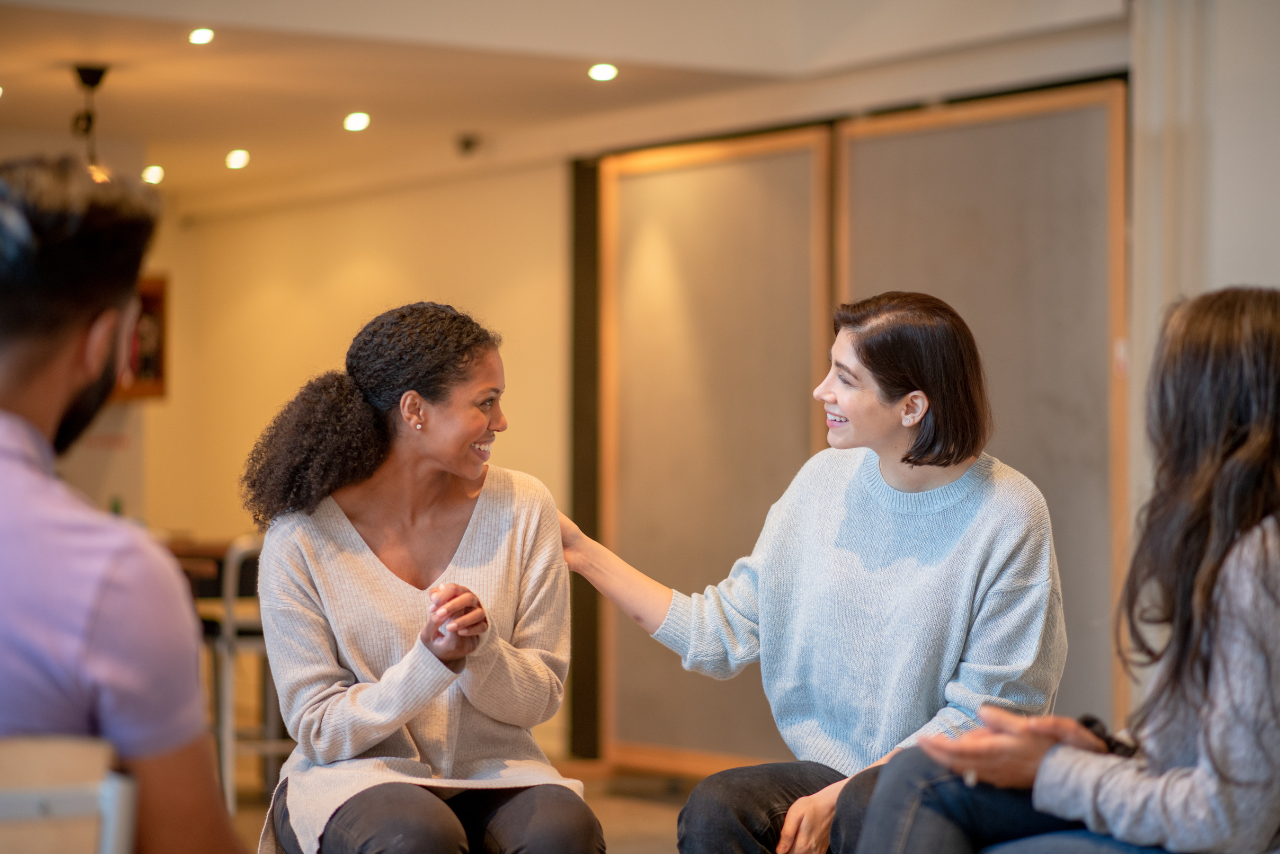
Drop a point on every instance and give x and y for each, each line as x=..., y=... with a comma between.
x=97, y=633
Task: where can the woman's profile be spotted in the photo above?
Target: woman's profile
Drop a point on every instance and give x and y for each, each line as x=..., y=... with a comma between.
x=904, y=579
x=415, y=605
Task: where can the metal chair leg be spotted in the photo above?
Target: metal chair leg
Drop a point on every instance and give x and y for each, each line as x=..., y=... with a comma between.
x=227, y=723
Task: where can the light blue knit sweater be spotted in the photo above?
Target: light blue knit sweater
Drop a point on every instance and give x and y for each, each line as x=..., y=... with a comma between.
x=880, y=616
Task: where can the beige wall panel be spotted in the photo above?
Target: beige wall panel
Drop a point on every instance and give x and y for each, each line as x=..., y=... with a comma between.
x=1008, y=221
x=714, y=280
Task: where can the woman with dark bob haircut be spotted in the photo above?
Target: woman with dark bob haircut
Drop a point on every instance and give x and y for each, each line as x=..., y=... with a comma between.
x=1201, y=603
x=903, y=580
x=415, y=604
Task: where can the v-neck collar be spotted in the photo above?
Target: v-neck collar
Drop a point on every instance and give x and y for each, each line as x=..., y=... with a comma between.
x=463, y=543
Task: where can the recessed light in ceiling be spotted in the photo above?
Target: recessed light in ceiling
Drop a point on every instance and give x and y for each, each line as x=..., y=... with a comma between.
x=153, y=174
x=237, y=159
x=356, y=121
x=603, y=71
x=200, y=36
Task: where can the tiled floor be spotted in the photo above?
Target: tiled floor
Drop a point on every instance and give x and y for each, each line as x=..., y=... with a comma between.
x=638, y=815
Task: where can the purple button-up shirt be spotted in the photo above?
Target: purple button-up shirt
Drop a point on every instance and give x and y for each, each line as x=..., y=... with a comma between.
x=97, y=633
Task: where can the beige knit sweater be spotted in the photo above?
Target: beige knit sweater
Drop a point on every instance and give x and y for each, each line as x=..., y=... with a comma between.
x=367, y=702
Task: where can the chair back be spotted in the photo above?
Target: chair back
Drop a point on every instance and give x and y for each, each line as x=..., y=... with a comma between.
x=243, y=548
x=58, y=794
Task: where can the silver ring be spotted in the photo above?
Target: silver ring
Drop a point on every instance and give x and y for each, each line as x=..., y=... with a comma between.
x=971, y=778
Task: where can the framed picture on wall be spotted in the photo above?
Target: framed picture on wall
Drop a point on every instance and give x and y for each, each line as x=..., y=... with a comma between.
x=150, y=341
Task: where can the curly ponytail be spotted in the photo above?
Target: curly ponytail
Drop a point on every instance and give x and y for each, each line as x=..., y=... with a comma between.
x=336, y=431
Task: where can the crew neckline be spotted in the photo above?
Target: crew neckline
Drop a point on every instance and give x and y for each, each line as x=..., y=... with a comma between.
x=929, y=501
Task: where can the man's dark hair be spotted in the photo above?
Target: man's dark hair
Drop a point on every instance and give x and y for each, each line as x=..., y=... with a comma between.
x=70, y=246
x=916, y=342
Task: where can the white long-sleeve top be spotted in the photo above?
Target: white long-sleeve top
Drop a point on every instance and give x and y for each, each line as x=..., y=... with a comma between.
x=1208, y=780
x=367, y=702
x=880, y=616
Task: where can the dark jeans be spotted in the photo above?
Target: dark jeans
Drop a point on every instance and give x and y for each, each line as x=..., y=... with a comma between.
x=920, y=807
x=742, y=810
x=400, y=818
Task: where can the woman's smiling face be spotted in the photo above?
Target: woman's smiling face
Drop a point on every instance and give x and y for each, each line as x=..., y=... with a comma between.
x=458, y=432
x=857, y=417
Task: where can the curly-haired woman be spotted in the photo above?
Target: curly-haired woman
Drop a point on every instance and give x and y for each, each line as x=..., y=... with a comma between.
x=1206, y=577
x=415, y=606
x=904, y=579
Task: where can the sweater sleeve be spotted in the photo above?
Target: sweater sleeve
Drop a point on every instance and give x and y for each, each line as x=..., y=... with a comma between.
x=717, y=632
x=521, y=681
x=1229, y=799
x=327, y=711
x=1017, y=643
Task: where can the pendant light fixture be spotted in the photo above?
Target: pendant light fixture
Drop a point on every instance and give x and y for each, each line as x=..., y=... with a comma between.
x=82, y=123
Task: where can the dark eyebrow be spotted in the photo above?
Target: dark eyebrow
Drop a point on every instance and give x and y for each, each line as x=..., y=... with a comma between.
x=843, y=366
x=492, y=388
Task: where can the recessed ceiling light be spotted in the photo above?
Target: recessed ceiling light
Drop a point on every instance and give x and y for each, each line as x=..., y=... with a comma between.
x=356, y=121
x=200, y=36
x=153, y=174
x=603, y=71
x=237, y=159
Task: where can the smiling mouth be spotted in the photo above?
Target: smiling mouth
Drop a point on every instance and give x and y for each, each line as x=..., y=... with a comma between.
x=838, y=419
x=483, y=446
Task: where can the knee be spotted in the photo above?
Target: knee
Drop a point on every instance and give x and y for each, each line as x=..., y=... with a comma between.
x=394, y=818
x=912, y=768
x=711, y=805
x=574, y=830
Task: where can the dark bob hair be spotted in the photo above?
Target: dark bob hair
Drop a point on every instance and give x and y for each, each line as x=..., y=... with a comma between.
x=916, y=342
x=338, y=429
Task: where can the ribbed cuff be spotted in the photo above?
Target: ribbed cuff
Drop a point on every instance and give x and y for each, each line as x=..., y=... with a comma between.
x=1066, y=780
x=425, y=676
x=677, y=627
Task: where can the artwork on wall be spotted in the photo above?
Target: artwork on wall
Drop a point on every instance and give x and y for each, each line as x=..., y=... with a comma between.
x=149, y=344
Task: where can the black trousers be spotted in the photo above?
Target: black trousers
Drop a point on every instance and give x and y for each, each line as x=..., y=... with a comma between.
x=400, y=818
x=741, y=811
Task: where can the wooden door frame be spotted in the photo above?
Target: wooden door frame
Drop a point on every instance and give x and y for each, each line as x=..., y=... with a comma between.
x=1113, y=96
x=817, y=140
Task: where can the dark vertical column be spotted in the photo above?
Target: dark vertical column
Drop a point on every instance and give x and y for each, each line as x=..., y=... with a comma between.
x=584, y=683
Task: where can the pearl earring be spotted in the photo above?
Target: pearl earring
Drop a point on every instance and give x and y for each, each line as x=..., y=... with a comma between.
x=418, y=426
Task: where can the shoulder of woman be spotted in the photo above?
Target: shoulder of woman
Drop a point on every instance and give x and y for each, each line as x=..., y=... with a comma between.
x=1012, y=492
x=1250, y=578
x=526, y=490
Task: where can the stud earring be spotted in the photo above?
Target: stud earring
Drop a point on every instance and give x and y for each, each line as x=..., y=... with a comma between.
x=418, y=426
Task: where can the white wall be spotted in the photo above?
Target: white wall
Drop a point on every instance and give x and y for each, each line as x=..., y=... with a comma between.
x=1244, y=149
x=261, y=303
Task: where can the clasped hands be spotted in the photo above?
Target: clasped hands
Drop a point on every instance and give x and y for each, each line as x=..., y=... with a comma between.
x=1005, y=752
x=456, y=621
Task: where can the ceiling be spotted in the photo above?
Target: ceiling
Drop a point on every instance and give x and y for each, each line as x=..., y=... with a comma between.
x=282, y=96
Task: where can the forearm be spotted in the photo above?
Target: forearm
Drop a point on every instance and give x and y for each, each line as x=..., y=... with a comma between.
x=332, y=721
x=636, y=594
x=522, y=687
x=180, y=805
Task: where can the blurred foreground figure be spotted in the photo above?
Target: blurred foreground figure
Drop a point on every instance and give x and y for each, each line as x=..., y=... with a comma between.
x=97, y=633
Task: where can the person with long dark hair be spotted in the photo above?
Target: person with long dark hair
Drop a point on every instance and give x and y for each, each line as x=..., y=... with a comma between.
x=1201, y=604
x=415, y=604
x=904, y=579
